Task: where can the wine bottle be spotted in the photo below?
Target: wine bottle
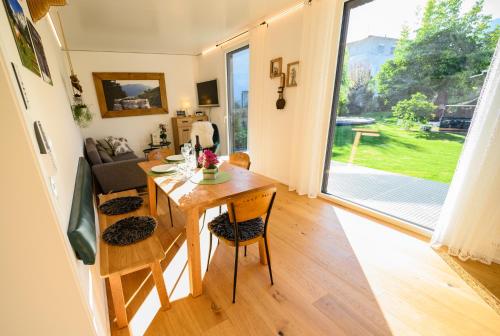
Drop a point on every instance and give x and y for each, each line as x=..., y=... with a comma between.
x=197, y=150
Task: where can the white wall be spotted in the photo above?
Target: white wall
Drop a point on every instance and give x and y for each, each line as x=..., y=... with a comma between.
x=38, y=210
x=282, y=40
x=179, y=81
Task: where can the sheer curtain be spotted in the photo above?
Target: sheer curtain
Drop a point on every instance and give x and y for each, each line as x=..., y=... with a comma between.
x=257, y=95
x=319, y=44
x=469, y=224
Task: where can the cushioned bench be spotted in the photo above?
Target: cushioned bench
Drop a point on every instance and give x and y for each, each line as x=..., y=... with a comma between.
x=81, y=228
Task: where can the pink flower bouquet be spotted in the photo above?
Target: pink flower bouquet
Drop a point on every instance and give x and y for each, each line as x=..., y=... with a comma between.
x=208, y=159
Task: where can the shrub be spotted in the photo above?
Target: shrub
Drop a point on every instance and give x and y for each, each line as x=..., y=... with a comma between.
x=415, y=109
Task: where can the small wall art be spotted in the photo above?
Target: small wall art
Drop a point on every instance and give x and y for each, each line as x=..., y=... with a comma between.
x=275, y=69
x=292, y=74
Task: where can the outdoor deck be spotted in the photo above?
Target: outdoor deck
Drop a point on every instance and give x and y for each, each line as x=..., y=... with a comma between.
x=408, y=198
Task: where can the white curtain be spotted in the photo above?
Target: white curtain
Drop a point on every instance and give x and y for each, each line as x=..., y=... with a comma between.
x=257, y=94
x=469, y=224
x=319, y=45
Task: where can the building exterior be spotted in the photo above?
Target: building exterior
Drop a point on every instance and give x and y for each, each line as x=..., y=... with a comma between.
x=370, y=53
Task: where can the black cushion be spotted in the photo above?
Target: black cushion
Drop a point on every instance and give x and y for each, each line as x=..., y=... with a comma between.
x=222, y=227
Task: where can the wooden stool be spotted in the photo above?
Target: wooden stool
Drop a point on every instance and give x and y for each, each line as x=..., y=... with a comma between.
x=120, y=260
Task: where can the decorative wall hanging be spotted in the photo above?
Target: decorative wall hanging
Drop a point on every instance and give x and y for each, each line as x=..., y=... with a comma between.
x=20, y=84
x=19, y=26
x=40, y=8
x=281, y=102
x=125, y=94
x=292, y=74
x=275, y=69
x=81, y=112
x=40, y=53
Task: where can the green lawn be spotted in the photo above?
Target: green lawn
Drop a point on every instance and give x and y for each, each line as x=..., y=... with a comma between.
x=427, y=155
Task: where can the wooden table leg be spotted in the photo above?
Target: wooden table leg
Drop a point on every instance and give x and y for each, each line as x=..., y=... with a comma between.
x=262, y=252
x=115, y=283
x=152, y=196
x=160, y=285
x=194, y=256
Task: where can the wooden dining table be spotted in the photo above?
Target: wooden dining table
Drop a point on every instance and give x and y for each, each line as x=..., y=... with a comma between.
x=193, y=199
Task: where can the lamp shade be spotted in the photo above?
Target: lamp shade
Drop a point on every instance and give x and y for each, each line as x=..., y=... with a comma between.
x=39, y=8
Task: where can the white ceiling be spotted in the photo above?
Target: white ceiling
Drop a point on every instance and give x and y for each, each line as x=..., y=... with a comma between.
x=160, y=26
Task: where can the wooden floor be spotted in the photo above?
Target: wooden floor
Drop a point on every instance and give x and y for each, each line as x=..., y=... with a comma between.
x=335, y=273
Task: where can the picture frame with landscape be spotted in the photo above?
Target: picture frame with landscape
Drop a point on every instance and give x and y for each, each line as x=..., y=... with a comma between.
x=125, y=94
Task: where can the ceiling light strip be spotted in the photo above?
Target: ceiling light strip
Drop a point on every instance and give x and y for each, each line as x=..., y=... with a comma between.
x=54, y=31
x=265, y=22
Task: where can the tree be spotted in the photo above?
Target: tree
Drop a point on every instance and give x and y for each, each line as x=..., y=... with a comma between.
x=360, y=96
x=417, y=108
x=448, y=48
x=344, y=87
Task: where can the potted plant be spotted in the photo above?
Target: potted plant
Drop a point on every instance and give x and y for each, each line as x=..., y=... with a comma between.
x=209, y=161
x=81, y=113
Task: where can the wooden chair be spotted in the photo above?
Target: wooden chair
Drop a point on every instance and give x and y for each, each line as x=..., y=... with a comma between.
x=240, y=159
x=243, y=225
x=160, y=154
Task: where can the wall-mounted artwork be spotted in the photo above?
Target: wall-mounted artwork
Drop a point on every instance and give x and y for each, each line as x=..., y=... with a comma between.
x=276, y=67
x=20, y=84
x=292, y=74
x=125, y=94
x=40, y=53
x=19, y=25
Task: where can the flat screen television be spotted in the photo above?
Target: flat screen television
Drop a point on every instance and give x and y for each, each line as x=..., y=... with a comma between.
x=208, y=95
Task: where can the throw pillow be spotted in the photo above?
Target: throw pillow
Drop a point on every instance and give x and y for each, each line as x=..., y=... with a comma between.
x=119, y=145
x=105, y=146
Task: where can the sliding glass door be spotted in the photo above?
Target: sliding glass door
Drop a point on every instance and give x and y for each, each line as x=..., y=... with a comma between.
x=238, y=62
x=409, y=76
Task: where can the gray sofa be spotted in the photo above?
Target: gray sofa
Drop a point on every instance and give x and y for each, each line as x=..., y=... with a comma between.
x=118, y=173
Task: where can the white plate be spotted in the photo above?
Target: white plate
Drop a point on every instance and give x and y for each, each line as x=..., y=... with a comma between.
x=177, y=157
x=165, y=168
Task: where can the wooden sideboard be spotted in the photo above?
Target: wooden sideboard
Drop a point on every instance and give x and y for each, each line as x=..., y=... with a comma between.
x=181, y=127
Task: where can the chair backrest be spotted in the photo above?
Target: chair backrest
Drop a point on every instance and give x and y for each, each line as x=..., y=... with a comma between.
x=251, y=205
x=240, y=159
x=205, y=132
x=160, y=153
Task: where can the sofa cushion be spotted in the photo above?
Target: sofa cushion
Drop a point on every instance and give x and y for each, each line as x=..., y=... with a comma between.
x=124, y=157
x=92, y=153
x=119, y=145
x=105, y=146
x=105, y=157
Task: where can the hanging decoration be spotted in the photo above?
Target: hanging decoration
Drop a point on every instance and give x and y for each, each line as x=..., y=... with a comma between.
x=40, y=8
x=81, y=112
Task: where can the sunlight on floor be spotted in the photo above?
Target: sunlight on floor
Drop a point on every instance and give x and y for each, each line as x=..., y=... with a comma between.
x=176, y=277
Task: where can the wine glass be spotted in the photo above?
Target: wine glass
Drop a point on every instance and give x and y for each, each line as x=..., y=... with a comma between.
x=186, y=150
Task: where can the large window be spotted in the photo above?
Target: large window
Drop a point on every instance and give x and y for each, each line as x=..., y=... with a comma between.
x=408, y=79
x=238, y=82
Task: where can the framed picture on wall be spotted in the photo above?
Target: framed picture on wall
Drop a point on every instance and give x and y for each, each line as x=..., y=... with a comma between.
x=292, y=74
x=276, y=67
x=19, y=26
x=125, y=94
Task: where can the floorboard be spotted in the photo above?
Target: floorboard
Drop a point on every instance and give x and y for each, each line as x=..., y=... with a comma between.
x=335, y=272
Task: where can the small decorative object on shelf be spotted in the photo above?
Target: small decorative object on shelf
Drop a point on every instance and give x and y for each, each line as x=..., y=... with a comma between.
x=208, y=161
x=197, y=150
x=163, y=133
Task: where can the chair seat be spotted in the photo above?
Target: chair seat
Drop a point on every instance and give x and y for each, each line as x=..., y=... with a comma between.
x=221, y=227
